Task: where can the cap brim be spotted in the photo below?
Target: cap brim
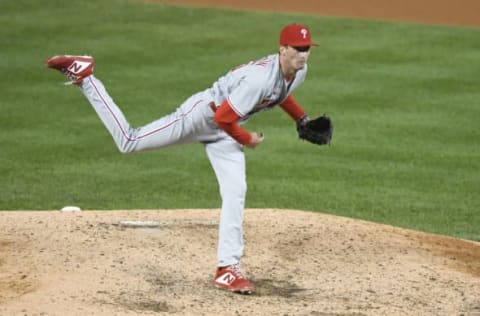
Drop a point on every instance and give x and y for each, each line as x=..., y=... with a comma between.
x=301, y=44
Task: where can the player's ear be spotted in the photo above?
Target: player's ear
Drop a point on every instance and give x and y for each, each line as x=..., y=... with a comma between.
x=282, y=49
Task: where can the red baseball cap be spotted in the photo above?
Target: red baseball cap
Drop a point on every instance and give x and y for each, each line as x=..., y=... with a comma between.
x=296, y=35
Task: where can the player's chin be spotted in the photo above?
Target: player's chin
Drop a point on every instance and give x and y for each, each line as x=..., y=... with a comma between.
x=300, y=66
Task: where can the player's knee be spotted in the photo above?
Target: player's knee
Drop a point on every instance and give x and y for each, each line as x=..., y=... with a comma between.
x=241, y=192
x=124, y=150
x=127, y=147
x=236, y=189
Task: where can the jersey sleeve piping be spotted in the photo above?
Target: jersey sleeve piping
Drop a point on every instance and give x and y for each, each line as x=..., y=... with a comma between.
x=235, y=109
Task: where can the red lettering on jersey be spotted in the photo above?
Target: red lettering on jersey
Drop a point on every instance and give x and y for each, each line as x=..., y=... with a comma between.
x=261, y=63
x=266, y=102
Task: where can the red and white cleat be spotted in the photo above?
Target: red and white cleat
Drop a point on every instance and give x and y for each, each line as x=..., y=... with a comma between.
x=74, y=67
x=230, y=278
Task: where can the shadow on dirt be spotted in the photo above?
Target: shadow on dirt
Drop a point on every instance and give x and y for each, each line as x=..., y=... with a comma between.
x=267, y=287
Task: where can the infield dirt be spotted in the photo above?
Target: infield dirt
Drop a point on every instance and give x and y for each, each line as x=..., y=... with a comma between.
x=87, y=263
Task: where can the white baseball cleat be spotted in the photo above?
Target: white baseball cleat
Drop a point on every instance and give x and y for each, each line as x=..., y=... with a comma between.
x=74, y=67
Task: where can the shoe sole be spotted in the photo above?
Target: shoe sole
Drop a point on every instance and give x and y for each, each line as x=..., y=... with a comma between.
x=243, y=292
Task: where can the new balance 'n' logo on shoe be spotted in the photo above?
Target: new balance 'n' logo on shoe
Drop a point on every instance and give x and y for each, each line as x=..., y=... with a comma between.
x=225, y=279
x=74, y=67
x=78, y=66
x=231, y=278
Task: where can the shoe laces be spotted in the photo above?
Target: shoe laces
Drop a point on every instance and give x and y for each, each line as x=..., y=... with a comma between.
x=70, y=75
x=236, y=270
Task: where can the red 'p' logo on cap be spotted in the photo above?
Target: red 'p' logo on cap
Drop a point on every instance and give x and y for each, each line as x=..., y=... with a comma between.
x=296, y=35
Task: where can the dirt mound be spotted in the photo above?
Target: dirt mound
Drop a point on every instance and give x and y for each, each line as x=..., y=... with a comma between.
x=103, y=263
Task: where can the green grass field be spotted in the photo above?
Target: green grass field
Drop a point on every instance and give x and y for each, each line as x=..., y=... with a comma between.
x=404, y=98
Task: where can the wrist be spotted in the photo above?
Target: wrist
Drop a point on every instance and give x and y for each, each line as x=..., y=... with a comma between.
x=303, y=120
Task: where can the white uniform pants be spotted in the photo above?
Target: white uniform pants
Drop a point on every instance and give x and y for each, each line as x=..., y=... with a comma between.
x=191, y=122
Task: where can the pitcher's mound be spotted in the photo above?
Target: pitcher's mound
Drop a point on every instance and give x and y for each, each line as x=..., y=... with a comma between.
x=145, y=262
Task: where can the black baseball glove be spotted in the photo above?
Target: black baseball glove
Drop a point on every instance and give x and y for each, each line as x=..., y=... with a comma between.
x=317, y=131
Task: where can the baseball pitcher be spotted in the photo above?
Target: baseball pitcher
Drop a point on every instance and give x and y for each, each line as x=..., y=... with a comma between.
x=215, y=117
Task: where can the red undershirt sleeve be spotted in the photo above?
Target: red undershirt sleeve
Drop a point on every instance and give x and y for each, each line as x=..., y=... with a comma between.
x=227, y=120
x=291, y=106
